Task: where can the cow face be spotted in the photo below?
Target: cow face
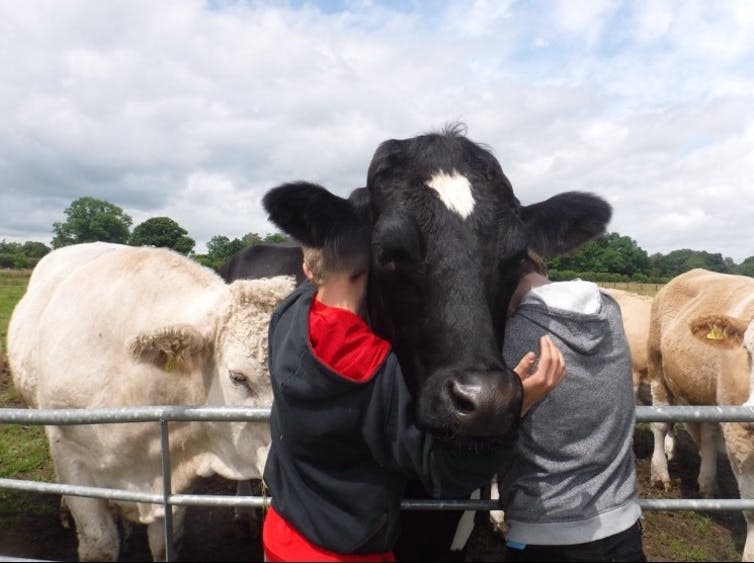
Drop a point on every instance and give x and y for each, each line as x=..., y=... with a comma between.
x=447, y=237
x=230, y=362
x=240, y=375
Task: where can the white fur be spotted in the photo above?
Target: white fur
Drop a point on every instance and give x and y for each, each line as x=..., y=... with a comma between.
x=105, y=325
x=454, y=190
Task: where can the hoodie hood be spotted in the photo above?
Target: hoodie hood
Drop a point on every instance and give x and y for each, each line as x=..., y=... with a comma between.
x=571, y=310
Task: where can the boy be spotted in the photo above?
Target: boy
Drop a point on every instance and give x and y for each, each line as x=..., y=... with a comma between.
x=570, y=488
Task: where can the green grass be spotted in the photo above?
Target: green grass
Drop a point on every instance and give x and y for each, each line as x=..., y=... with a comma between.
x=24, y=453
x=12, y=287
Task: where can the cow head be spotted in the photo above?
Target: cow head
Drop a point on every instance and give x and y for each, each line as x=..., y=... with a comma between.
x=448, y=236
x=228, y=358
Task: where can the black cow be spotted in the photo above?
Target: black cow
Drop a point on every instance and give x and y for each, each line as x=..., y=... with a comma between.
x=448, y=235
x=263, y=261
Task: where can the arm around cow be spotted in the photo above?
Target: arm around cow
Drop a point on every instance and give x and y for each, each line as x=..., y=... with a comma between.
x=344, y=436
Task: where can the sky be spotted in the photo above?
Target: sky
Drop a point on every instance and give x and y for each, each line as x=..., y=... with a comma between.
x=194, y=109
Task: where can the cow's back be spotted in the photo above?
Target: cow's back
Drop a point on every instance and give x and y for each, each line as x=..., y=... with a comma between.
x=72, y=328
x=635, y=311
x=693, y=372
x=264, y=260
x=23, y=339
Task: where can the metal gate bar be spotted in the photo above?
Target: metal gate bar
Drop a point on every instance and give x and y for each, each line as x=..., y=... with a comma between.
x=165, y=414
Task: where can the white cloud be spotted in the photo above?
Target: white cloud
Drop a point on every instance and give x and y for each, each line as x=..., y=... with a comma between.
x=173, y=108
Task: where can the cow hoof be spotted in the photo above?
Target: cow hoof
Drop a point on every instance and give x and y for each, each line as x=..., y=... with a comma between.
x=662, y=484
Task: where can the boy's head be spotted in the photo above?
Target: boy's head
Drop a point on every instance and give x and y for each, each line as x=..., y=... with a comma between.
x=336, y=241
x=342, y=256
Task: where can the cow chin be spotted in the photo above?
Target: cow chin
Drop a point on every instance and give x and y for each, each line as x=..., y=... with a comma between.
x=473, y=410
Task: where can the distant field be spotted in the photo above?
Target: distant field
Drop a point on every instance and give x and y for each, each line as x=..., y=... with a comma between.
x=641, y=288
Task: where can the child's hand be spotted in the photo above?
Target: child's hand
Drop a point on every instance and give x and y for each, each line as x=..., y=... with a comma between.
x=545, y=378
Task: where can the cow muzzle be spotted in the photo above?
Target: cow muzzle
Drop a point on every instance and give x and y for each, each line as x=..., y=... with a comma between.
x=478, y=404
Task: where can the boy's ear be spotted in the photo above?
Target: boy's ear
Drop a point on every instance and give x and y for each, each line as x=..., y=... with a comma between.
x=309, y=213
x=307, y=271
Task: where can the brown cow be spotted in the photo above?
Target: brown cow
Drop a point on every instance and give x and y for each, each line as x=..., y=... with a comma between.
x=635, y=310
x=700, y=348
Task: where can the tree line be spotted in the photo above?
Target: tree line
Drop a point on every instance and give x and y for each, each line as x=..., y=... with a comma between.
x=612, y=257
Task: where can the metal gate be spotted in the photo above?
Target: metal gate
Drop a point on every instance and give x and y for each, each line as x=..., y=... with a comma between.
x=166, y=414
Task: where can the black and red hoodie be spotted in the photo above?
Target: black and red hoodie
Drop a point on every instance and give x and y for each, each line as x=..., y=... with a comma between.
x=344, y=439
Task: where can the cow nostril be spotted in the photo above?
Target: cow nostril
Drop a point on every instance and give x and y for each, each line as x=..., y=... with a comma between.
x=460, y=398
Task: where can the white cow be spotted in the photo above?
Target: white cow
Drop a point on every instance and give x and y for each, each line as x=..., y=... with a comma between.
x=700, y=353
x=106, y=325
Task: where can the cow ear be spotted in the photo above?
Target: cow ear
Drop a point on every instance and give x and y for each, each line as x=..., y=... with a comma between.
x=173, y=349
x=362, y=204
x=309, y=213
x=721, y=331
x=263, y=293
x=565, y=222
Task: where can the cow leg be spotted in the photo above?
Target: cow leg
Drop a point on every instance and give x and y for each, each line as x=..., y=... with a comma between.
x=497, y=517
x=659, y=467
x=738, y=445
x=708, y=453
x=156, y=533
x=97, y=532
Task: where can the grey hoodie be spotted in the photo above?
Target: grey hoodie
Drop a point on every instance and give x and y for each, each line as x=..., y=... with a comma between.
x=573, y=476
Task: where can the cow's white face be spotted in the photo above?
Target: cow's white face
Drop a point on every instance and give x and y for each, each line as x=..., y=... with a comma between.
x=241, y=378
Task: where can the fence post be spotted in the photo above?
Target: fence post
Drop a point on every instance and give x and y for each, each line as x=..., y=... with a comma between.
x=167, y=488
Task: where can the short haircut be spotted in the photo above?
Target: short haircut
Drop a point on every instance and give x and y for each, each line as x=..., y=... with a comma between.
x=349, y=255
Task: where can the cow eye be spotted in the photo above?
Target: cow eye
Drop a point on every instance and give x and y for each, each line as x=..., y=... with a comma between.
x=238, y=378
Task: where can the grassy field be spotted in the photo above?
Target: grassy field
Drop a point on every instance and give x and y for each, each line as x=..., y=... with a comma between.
x=641, y=288
x=24, y=448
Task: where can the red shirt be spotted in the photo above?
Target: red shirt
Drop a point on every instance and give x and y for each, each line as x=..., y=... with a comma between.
x=344, y=343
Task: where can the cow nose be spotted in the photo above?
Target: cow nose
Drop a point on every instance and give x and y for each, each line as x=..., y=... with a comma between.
x=484, y=404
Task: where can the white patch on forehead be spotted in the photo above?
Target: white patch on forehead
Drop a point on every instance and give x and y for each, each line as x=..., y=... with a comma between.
x=454, y=190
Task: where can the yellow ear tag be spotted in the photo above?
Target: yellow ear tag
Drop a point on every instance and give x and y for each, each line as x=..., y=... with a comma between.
x=171, y=362
x=715, y=333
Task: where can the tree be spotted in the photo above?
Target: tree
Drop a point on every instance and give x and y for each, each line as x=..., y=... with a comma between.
x=17, y=255
x=746, y=268
x=34, y=249
x=162, y=232
x=275, y=238
x=685, y=259
x=611, y=253
x=89, y=220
